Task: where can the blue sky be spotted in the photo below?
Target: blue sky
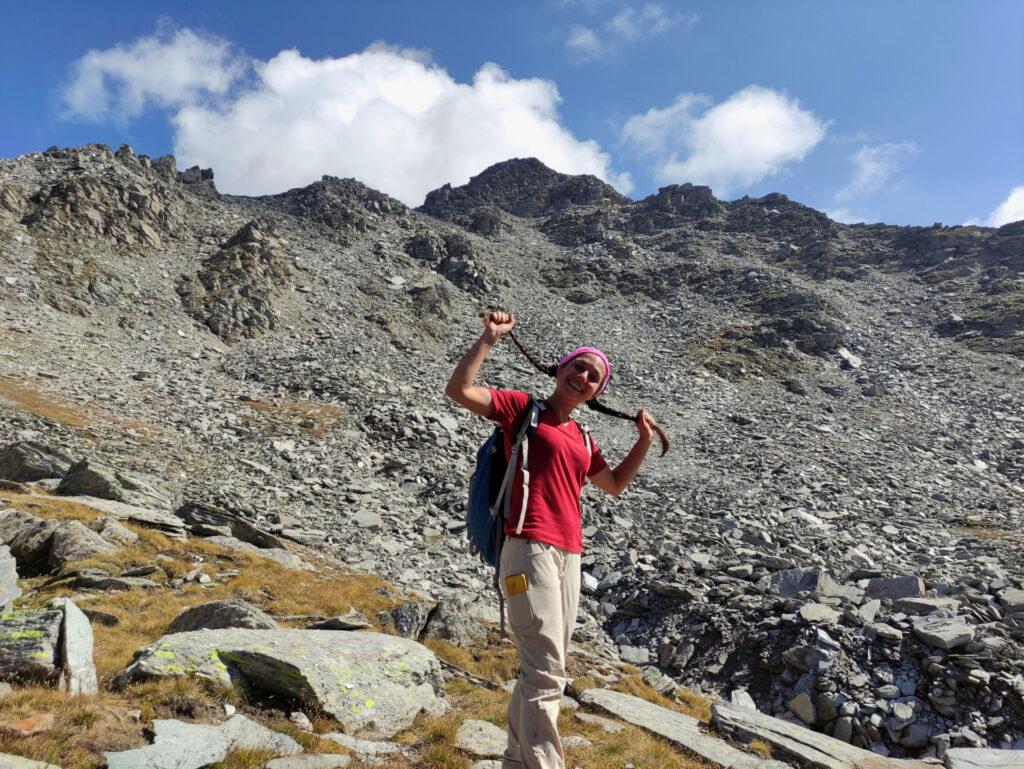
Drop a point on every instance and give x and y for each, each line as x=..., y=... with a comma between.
x=908, y=112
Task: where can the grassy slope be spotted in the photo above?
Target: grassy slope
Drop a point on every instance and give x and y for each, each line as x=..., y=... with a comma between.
x=114, y=720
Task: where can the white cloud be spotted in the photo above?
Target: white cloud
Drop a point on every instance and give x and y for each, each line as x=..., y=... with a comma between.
x=874, y=166
x=1010, y=210
x=584, y=44
x=165, y=69
x=849, y=215
x=651, y=19
x=628, y=25
x=385, y=116
x=751, y=135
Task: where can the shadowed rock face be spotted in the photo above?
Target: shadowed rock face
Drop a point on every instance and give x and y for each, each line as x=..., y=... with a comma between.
x=373, y=684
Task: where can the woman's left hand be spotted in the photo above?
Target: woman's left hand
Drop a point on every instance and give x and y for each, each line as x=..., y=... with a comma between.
x=645, y=425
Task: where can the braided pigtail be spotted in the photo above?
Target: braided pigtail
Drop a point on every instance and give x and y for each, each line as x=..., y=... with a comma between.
x=594, y=404
x=551, y=370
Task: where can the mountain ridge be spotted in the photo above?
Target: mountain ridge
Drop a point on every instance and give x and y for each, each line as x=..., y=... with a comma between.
x=283, y=357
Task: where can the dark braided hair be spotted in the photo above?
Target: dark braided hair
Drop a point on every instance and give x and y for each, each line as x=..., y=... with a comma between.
x=594, y=403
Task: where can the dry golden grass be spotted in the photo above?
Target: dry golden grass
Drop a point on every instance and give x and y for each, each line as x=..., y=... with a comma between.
x=492, y=662
x=762, y=748
x=276, y=418
x=83, y=727
x=25, y=396
x=688, y=703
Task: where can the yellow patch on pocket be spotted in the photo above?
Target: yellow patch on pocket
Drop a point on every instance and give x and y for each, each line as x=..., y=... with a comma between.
x=515, y=584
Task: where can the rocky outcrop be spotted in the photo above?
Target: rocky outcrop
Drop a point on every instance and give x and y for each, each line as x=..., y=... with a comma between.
x=373, y=684
x=344, y=205
x=26, y=461
x=95, y=479
x=803, y=745
x=43, y=545
x=233, y=292
x=521, y=187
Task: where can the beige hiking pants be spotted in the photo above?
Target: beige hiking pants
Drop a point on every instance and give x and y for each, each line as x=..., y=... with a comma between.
x=542, y=619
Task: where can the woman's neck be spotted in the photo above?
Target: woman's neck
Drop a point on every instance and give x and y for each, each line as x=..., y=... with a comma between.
x=562, y=408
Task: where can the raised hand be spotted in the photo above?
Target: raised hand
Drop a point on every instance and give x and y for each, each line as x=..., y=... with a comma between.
x=645, y=425
x=499, y=322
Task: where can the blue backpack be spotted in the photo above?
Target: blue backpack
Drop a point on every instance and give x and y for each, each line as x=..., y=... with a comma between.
x=490, y=487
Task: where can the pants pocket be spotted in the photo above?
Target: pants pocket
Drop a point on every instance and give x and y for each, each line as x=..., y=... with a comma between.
x=515, y=561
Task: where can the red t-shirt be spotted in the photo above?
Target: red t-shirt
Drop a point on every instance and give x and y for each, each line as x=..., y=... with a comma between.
x=559, y=466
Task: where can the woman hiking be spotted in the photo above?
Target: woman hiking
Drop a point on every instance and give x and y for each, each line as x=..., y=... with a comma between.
x=540, y=560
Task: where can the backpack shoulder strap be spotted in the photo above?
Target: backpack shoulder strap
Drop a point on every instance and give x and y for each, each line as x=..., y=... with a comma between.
x=586, y=437
x=527, y=422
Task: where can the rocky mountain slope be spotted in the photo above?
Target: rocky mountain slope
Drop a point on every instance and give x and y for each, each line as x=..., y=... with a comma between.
x=836, y=529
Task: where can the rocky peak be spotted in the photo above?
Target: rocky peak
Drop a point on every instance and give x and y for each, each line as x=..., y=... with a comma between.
x=341, y=204
x=522, y=187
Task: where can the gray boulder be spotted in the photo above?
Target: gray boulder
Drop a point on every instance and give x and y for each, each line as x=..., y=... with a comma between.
x=452, y=622
x=408, y=619
x=677, y=728
x=94, y=479
x=29, y=645
x=909, y=586
x=74, y=541
x=233, y=612
x=983, y=758
x=351, y=620
x=943, y=630
x=279, y=555
x=481, y=738
x=373, y=684
x=807, y=747
x=178, y=745
x=26, y=461
x=9, y=589
x=113, y=532
x=924, y=606
x=28, y=537
x=1012, y=600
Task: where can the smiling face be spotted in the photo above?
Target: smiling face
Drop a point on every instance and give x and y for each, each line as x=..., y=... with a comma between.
x=580, y=379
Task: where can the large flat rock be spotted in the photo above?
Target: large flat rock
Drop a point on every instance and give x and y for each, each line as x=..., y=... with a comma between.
x=677, y=728
x=983, y=758
x=374, y=684
x=808, y=747
x=181, y=745
x=167, y=523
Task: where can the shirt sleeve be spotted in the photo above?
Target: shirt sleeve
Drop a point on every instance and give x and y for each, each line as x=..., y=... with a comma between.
x=597, y=462
x=508, y=405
